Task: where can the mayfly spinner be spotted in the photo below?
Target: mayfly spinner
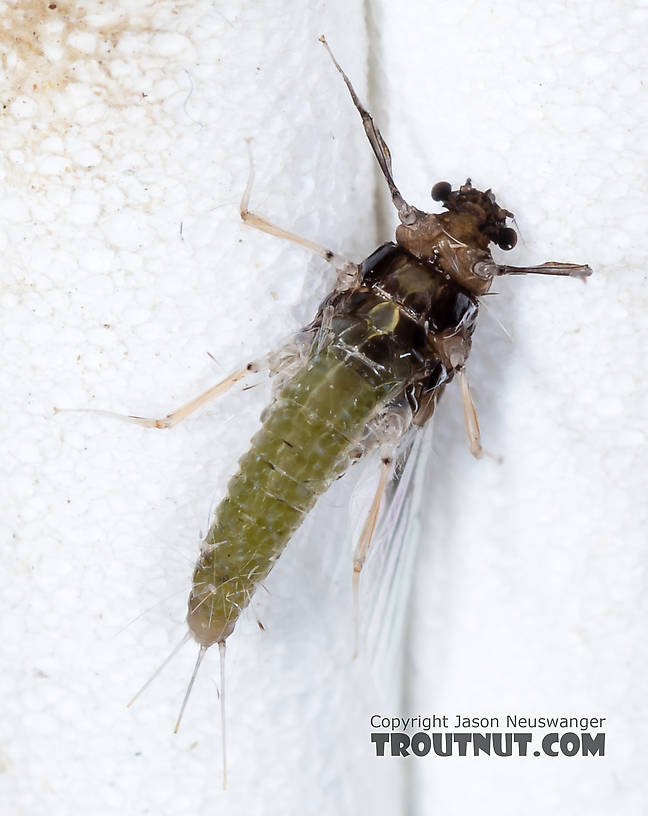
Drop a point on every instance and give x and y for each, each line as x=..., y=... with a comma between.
x=364, y=375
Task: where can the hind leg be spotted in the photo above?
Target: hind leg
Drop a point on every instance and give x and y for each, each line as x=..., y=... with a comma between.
x=281, y=362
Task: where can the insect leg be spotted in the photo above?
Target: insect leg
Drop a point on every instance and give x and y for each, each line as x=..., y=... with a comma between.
x=470, y=416
x=181, y=413
x=550, y=268
x=348, y=272
x=408, y=214
x=280, y=364
x=364, y=542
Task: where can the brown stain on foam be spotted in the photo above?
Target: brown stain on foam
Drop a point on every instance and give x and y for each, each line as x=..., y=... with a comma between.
x=39, y=61
x=54, y=53
x=29, y=29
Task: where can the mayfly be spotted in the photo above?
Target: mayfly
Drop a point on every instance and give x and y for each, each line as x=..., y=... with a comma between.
x=363, y=376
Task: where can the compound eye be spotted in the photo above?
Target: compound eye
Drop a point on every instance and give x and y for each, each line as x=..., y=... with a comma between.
x=506, y=238
x=441, y=191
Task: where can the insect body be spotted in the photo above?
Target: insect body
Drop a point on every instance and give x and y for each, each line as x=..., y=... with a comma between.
x=375, y=356
x=363, y=375
x=384, y=344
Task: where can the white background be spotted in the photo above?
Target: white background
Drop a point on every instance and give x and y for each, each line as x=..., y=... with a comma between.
x=123, y=161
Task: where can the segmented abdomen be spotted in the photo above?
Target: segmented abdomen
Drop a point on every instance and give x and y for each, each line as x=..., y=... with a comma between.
x=381, y=339
x=301, y=447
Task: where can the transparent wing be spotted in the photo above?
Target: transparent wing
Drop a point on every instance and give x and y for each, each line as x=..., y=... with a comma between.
x=386, y=579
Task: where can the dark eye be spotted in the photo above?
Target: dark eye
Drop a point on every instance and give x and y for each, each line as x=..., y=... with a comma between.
x=441, y=191
x=506, y=238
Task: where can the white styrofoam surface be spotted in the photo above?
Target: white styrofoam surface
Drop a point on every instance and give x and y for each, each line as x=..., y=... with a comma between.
x=531, y=581
x=120, y=127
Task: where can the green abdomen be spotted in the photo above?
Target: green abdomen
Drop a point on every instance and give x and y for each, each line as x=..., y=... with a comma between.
x=302, y=446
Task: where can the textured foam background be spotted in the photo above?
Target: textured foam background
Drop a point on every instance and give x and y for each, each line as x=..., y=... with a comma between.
x=123, y=161
x=531, y=582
